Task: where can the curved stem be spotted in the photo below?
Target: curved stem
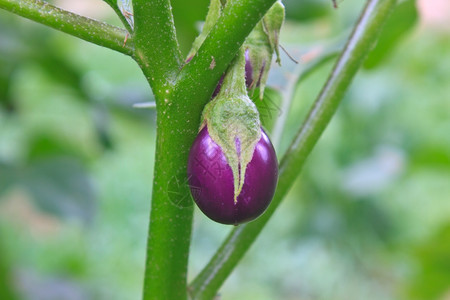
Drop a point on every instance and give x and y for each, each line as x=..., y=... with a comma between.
x=84, y=28
x=364, y=35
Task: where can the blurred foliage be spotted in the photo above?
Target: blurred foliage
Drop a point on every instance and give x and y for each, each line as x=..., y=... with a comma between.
x=307, y=10
x=402, y=21
x=188, y=15
x=367, y=219
x=6, y=289
x=432, y=280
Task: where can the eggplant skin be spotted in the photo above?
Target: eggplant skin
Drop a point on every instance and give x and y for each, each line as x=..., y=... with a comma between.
x=211, y=180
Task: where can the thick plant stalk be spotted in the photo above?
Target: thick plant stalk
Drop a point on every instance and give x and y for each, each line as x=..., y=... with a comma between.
x=363, y=37
x=157, y=50
x=158, y=55
x=84, y=28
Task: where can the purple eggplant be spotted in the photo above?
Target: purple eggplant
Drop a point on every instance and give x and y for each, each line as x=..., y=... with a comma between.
x=212, y=185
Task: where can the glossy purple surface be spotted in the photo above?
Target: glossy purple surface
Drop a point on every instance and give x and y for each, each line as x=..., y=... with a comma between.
x=248, y=70
x=211, y=181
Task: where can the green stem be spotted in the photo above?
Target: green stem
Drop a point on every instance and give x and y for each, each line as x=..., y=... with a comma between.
x=157, y=49
x=84, y=28
x=363, y=37
x=234, y=82
x=158, y=54
x=178, y=118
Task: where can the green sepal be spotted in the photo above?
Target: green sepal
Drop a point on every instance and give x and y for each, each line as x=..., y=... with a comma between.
x=259, y=53
x=262, y=42
x=230, y=117
x=272, y=21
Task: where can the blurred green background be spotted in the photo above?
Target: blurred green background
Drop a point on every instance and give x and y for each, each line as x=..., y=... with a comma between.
x=368, y=218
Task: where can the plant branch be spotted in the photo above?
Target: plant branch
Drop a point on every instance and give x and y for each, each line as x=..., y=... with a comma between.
x=178, y=118
x=363, y=37
x=84, y=28
x=202, y=73
x=159, y=56
x=157, y=49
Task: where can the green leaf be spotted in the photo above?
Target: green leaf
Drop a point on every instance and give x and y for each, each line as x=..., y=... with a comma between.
x=403, y=19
